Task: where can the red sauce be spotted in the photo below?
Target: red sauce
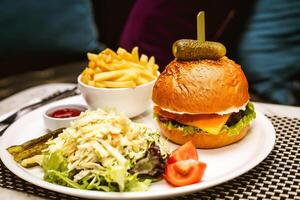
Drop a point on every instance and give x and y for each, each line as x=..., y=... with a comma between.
x=65, y=113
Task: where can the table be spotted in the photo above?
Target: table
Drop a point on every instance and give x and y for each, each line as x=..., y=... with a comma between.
x=18, y=99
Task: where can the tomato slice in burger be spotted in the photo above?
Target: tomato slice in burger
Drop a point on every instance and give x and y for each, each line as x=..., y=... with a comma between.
x=184, y=152
x=184, y=172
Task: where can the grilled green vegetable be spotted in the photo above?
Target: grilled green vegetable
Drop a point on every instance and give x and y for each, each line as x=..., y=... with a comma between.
x=31, y=148
x=32, y=151
x=15, y=149
x=186, y=49
x=32, y=161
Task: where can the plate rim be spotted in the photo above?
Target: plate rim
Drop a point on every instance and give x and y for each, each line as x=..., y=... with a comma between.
x=20, y=172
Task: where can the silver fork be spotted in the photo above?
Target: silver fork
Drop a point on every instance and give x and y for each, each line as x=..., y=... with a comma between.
x=53, y=97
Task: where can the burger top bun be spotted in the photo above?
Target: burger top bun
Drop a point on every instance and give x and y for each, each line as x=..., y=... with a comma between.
x=201, y=87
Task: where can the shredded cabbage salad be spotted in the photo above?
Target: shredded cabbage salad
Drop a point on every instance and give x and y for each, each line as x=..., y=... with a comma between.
x=104, y=150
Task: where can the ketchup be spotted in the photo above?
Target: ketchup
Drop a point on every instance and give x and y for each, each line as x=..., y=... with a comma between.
x=65, y=113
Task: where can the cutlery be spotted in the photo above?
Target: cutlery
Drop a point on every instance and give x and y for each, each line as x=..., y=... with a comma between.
x=53, y=97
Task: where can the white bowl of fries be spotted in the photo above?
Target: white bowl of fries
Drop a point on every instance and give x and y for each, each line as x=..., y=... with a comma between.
x=119, y=80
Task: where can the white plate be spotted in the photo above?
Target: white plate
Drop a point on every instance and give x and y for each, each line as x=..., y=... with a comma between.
x=223, y=164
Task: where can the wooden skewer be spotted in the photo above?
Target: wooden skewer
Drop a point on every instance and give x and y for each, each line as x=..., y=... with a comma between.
x=201, y=26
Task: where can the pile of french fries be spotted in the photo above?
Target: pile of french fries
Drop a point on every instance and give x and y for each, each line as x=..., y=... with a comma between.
x=120, y=69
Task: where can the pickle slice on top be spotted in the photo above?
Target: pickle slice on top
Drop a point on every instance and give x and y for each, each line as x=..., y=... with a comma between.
x=186, y=49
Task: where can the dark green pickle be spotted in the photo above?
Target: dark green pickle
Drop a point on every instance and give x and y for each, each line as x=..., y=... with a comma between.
x=186, y=49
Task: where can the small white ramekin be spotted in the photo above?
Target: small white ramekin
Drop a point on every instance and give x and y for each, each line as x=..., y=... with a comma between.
x=53, y=123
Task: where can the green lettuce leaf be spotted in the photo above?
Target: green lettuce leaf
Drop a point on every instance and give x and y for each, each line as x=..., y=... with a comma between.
x=117, y=174
x=115, y=179
x=55, y=170
x=187, y=129
x=249, y=115
x=97, y=183
x=55, y=161
x=134, y=184
x=61, y=178
x=151, y=166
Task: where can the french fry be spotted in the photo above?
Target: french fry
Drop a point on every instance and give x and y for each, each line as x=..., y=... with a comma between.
x=119, y=69
x=99, y=84
x=120, y=65
x=97, y=70
x=108, y=58
x=155, y=69
x=92, y=64
x=119, y=84
x=92, y=56
x=108, y=75
x=137, y=66
x=110, y=52
x=124, y=54
x=135, y=54
x=141, y=80
x=147, y=76
x=91, y=83
x=144, y=59
x=151, y=62
x=132, y=75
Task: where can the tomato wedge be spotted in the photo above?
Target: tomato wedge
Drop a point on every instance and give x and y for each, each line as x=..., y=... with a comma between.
x=184, y=172
x=184, y=152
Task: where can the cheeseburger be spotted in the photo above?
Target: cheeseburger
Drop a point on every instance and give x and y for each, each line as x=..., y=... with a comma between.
x=205, y=100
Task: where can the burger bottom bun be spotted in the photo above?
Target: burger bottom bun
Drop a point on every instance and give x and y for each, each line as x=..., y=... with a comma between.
x=200, y=139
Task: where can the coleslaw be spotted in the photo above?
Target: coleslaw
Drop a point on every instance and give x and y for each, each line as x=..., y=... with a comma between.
x=104, y=150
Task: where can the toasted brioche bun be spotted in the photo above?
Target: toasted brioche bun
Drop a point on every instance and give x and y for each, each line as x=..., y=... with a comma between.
x=201, y=87
x=200, y=139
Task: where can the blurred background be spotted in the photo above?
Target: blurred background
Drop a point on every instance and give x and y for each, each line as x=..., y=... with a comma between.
x=47, y=41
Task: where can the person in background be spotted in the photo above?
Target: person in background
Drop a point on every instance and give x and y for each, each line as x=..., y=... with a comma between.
x=263, y=36
x=155, y=25
x=38, y=34
x=269, y=50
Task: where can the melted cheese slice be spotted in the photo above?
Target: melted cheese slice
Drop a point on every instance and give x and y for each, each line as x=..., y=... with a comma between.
x=210, y=123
